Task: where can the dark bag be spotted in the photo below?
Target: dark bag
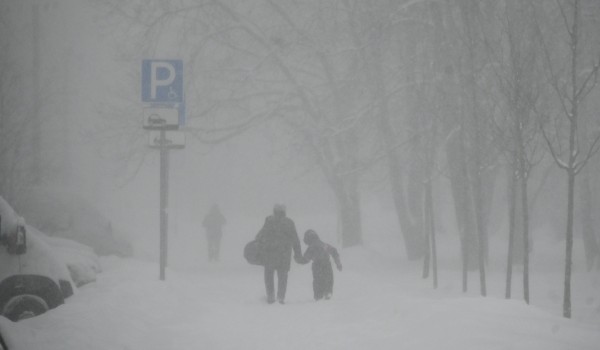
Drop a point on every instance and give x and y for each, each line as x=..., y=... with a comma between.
x=253, y=253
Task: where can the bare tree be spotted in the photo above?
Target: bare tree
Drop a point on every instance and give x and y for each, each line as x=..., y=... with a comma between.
x=515, y=55
x=474, y=126
x=376, y=28
x=470, y=155
x=278, y=70
x=573, y=78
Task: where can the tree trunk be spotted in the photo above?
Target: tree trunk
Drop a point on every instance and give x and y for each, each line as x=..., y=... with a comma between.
x=571, y=94
x=512, y=183
x=427, y=257
x=525, y=208
x=481, y=237
x=413, y=239
x=348, y=202
x=574, y=114
x=430, y=224
x=524, y=177
x=455, y=152
x=474, y=134
x=346, y=181
x=569, y=245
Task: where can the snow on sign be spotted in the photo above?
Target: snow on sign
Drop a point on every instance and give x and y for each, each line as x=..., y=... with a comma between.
x=162, y=81
x=173, y=139
x=156, y=118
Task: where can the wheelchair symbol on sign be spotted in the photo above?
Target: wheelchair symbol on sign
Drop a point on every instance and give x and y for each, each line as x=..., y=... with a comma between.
x=172, y=95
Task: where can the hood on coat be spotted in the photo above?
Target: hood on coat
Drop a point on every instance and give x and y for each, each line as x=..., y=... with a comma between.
x=311, y=237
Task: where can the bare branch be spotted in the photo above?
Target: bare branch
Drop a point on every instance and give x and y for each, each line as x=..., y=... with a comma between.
x=558, y=161
x=564, y=17
x=584, y=90
x=553, y=75
x=594, y=148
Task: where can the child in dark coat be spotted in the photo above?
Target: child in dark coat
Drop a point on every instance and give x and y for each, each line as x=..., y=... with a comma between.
x=319, y=252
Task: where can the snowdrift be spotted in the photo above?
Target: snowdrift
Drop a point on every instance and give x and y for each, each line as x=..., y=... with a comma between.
x=377, y=304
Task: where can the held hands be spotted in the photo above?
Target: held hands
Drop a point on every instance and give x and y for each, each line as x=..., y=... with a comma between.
x=299, y=259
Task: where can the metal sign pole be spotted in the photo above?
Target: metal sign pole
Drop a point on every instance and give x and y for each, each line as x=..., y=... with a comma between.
x=162, y=91
x=166, y=195
x=164, y=154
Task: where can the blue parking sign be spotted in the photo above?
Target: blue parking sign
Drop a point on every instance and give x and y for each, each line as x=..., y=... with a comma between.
x=162, y=81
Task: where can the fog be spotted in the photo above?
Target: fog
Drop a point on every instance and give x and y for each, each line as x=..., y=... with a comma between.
x=79, y=70
x=380, y=125
x=87, y=85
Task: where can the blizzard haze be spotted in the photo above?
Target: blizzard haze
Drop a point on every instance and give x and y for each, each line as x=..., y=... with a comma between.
x=449, y=150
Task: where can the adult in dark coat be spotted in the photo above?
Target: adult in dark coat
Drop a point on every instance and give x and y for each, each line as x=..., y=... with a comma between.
x=277, y=239
x=213, y=224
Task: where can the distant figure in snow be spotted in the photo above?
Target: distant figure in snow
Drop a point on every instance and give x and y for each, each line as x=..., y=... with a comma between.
x=319, y=252
x=213, y=223
x=277, y=239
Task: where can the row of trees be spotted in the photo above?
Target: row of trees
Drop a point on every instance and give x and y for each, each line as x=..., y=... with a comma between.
x=417, y=90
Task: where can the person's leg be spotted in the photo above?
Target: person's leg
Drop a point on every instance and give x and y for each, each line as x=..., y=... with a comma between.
x=269, y=284
x=282, y=276
x=209, y=246
x=328, y=288
x=318, y=285
x=316, y=290
x=217, y=247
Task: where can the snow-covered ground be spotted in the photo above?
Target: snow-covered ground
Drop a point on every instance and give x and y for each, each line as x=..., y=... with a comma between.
x=379, y=303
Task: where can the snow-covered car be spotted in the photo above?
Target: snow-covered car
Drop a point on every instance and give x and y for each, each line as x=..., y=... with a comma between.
x=33, y=277
x=3, y=342
x=64, y=213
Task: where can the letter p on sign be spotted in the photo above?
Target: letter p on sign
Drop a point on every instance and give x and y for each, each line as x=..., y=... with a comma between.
x=162, y=81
